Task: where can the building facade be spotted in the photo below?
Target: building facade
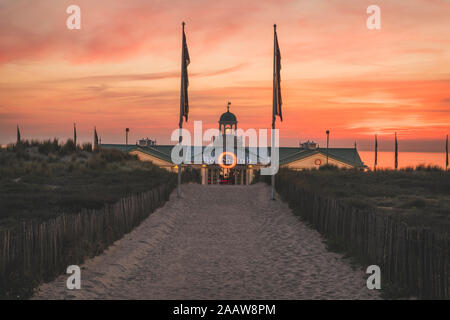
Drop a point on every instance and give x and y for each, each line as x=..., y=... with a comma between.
x=236, y=164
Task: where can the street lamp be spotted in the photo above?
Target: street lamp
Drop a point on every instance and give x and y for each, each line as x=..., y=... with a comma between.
x=328, y=141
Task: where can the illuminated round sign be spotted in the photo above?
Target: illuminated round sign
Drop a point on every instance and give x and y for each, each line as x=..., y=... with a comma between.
x=317, y=162
x=226, y=154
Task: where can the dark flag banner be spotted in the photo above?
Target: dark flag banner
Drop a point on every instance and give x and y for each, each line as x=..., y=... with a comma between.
x=18, y=134
x=276, y=111
x=75, y=134
x=95, y=139
x=277, y=79
x=185, y=61
x=396, y=152
x=184, y=102
x=376, y=152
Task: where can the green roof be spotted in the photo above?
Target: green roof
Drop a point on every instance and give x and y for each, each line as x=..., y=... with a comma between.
x=346, y=155
x=160, y=152
x=228, y=117
x=287, y=154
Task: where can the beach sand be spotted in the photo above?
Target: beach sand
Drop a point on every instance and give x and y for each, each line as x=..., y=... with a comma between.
x=217, y=242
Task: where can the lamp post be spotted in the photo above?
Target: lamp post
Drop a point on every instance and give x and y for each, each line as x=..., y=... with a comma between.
x=328, y=141
x=126, y=138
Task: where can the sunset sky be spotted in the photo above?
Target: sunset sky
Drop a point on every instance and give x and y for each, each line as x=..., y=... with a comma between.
x=122, y=69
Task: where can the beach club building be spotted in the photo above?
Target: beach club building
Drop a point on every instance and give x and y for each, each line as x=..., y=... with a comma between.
x=231, y=169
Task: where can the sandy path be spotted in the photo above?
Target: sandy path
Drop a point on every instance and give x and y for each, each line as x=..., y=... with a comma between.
x=218, y=242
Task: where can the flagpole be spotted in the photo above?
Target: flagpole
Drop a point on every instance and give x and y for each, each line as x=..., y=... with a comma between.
x=18, y=135
x=75, y=134
x=396, y=152
x=328, y=142
x=446, y=154
x=274, y=102
x=96, y=147
x=376, y=154
x=180, y=135
x=126, y=138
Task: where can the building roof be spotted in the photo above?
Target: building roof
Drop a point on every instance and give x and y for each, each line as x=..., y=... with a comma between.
x=227, y=117
x=346, y=155
x=287, y=154
x=161, y=152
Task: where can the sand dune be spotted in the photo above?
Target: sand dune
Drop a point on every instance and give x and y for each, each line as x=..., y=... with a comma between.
x=218, y=242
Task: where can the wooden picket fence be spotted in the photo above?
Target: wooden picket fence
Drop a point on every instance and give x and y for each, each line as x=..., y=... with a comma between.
x=414, y=259
x=37, y=251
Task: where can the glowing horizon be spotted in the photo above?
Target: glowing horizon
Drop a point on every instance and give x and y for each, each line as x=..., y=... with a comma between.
x=122, y=69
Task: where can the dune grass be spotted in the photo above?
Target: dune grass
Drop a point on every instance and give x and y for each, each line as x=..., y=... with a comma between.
x=420, y=196
x=41, y=179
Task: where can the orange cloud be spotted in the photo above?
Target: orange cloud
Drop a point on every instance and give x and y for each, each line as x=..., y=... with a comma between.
x=122, y=68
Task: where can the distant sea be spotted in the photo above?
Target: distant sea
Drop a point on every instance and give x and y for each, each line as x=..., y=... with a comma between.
x=405, y=159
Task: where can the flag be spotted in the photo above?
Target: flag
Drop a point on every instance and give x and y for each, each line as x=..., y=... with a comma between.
x=376, y=152
x=185, y=61
x=18, y=134
x=276, y=79
x=396, y=152
x=74, y=134
x=95, y=139
x=446, y=153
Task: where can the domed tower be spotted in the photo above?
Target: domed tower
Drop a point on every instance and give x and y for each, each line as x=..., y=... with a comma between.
x=227, y=122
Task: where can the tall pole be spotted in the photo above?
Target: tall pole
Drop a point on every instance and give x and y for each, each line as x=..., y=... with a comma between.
x=396, y=152
x=328, y=142
x=126, y=138
x=180, y=135
x=95, y=140
x=75, y=134
x=18, y=135
x=376, y=154
x=179, y=166
x=446, y=154
x=274, y=104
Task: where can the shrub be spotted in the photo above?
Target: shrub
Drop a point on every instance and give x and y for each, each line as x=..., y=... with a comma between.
x=329, y=167
x=423, y=167
x=96, y=162
x=115, y=155
x=399, y=190
x=87, y=147
x=415, y=203
x=68, y=148
x=49, y=146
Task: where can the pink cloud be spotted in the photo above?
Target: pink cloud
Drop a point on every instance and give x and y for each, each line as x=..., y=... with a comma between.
x=335, y=74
